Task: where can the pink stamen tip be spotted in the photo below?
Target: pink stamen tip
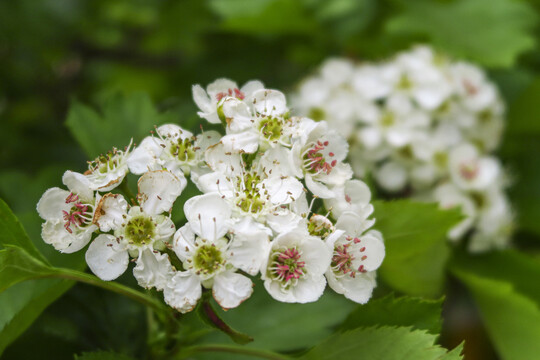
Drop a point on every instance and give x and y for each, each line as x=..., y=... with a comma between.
x=334, y=163
x=331, y=154
x=348, y=198
x=356, y=240
x=363, y=257
x=326, y=143
x=363, y=249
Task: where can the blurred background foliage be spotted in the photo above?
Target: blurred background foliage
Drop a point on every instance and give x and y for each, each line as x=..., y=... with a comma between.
x=125, y=65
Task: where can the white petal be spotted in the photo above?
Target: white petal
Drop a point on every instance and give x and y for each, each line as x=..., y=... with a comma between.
x=246, y=141
x=52, y=204
x=282, y=190
x=372, y=256
x=237, y=115
x=106, y=258
x=251, y=86
x=158, y=191
x=153, y=270
x=221, y=85
x=183, y=291
x=269, y=102
x=207, y=139
x=215, y=182
x=250, y=245
x=358, y=289
x=201, y=98
x=184, y=242
x=208, y=215
x=78, y=184
x=391, y=176
x=317, y=188
x=231, y=289
x=144, y=156
x=218, y=159
x=353, y=224
x=110, y=212
x=282, y=221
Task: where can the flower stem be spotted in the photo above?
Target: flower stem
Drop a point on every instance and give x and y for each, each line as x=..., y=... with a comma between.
x=114, y=287
x=234, y=349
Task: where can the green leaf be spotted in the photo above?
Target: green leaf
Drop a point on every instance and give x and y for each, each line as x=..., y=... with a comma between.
x=416, y=245
x=391, y=311
x=121, y=118
x=281, y=326
x=12, y=233
x=17, y=265
x=275, y=17
x=502, y=286
x=491, y=32
x=102, y=355
x=524, y=112
x=22, y=303
x=388, y=343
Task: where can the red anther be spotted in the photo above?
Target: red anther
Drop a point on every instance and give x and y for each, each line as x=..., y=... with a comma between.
x=363, y=257
x=331, y=154
x=326, y=143
x=363, y=249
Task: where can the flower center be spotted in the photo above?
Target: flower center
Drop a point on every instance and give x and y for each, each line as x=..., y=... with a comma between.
x=183, y=150
x=317, y=114
x=237, y=94
x=404, y=83
x=105, y=163
x=315, y=160
x=271, y=128
x=79, y=215
x=287, y=267
x=342, y=259
x=440, y=158
x=208, y=259
x=250, y=200
x=320, y=226
x=387, y=119
x=469, y=170
x=140, y=230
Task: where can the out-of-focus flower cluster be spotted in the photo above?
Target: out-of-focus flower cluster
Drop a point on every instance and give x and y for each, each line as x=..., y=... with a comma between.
x=277, y=200
x=423, y=126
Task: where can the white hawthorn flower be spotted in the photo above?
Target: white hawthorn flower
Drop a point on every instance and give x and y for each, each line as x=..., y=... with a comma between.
x=108, y=171
x=353, y=196
x=470, y=170
x=216, y=93
x=69, y=215
x=356, y=256
x=212, y=247
x=319, y=160
x=174, y=149
x=140, y=232
x=294, y=270
x=264, y=121
x=254, y=193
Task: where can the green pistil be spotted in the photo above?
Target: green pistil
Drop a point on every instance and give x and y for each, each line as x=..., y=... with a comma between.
x=106, y=162
x=404, y=83
x=387, y=119
x=208, y=259
x=183, y=150
x=271, y=128
x=441, y=159
x=485, y=116
x=316, y=114
x=319, y=229
x=252, y=202
x=140, y=230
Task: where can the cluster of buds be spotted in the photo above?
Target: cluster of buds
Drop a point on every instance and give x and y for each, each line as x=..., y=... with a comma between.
x=423, y=126
x=276, y=200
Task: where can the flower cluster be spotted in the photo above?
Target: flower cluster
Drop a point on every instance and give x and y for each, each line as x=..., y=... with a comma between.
x=423, y=126
x=277, y=200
